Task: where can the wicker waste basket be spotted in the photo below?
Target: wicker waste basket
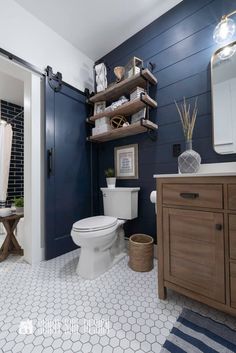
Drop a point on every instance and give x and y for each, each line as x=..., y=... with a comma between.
x=141, y=252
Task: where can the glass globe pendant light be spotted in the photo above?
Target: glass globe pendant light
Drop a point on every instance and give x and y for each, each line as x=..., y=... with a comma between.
x=225, y=29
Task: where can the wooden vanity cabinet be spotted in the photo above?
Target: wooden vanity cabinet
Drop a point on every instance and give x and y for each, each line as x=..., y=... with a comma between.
x=196, y=238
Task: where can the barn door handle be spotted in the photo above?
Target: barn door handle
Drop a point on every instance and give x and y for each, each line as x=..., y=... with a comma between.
x=50, y=161
x=189, y=195
x=219, y=227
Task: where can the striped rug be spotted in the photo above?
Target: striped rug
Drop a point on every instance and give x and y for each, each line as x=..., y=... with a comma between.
x=194, y=333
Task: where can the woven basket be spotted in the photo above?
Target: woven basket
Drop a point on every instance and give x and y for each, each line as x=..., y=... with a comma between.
x=141, y=252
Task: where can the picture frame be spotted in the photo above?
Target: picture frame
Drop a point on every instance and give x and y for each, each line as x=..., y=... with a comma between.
x=126, y=161
x=99, y=107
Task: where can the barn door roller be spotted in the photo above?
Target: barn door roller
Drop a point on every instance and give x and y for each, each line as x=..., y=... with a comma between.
x=54, y=80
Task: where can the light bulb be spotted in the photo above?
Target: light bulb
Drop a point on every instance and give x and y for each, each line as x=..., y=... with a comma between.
x=227, y=52
x=224, y=30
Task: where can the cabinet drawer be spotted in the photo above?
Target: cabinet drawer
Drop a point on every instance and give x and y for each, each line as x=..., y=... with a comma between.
x=232, y=196
x=233, y=284
x=232, y=236
x=198, y=195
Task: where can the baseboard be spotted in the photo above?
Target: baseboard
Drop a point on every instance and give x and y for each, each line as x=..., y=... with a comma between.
x=155, y=247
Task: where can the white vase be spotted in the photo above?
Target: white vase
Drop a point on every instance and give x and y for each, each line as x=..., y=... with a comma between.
x=189, y=161
x=19, y=210
x=111, y=183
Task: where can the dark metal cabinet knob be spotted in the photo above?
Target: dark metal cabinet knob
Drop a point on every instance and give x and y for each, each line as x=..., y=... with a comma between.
x=219, y=227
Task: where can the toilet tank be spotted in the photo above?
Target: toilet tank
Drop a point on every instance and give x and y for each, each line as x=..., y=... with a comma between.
x=120, y=202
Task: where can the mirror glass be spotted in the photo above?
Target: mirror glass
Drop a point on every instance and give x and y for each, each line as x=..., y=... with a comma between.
x=223, y=77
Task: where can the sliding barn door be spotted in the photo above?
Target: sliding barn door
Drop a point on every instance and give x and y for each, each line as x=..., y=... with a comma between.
x=67, y=174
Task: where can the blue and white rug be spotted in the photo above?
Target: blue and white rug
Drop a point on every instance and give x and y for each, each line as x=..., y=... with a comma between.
x=194, y=333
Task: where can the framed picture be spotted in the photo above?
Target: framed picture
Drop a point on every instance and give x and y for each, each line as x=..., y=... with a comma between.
x=126, y=162
x=99, y=107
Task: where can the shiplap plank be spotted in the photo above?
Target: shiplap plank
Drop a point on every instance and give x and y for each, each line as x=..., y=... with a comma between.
x=189, y=87
x=185, y=68
x=167, y=114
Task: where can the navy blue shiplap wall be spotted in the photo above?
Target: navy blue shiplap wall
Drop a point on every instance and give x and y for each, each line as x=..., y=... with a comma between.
x=180, y=43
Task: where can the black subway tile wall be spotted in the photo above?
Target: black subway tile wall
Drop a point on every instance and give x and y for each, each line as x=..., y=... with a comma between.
x=180, y=44
x=16, y=176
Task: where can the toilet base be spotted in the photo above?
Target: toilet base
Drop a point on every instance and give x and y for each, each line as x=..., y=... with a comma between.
x=102, y=262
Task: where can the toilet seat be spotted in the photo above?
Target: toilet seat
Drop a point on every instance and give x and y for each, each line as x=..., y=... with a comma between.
x=93, y=224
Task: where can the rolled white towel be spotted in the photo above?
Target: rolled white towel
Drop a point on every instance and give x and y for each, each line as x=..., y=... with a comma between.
x=101, y=68
x=100, y=88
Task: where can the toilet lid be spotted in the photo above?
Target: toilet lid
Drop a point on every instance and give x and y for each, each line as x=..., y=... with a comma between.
x=95, y=223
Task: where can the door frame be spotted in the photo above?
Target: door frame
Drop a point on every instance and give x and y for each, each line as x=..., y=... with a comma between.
x=33, y=243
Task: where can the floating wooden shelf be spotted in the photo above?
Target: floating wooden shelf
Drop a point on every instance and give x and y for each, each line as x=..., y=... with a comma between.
x=128, y=108
x=137, y=128
x=124, y=87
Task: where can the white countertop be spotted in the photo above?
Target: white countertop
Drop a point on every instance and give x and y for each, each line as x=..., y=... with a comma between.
x=206, y=170
x=192, y=175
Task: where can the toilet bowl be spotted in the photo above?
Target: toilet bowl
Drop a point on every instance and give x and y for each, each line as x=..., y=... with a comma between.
x=101, y=238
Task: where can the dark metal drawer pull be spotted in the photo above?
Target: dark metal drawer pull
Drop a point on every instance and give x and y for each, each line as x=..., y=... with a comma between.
x=189, y=195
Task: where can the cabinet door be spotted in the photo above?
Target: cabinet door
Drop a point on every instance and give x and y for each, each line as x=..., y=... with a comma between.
x=194, y=251
x=232, y=236
x=233, y=284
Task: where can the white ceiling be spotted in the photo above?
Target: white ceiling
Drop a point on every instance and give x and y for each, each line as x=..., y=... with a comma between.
x=97, y=26
x=11, y=89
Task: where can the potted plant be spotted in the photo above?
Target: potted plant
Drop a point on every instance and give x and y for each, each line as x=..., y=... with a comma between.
x=19, y=205
x=110, y=177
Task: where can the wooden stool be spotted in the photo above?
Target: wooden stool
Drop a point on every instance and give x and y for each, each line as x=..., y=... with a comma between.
x=10, y=244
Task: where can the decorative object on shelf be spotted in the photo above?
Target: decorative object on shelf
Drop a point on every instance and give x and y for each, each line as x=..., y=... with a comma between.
x=133, y=67
x=189, y=161
x=121, y=100
x=136, y=93
x=225, y=29
x=101, y=129
x=100, y=77
x=110, y=178
x=19, y=205
x=104, y=120
x=101, y=125
x=99, y=107
x=118, y=121
x=126, y=162
x=119, y=71
x=138, y=116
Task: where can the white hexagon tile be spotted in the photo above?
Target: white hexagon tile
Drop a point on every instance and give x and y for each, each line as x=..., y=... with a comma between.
x=48, y=308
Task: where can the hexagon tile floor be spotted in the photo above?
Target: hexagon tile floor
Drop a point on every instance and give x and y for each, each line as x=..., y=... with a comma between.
x=48, y=308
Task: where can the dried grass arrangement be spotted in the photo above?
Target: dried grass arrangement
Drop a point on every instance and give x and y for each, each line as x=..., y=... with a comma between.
x=187, y=117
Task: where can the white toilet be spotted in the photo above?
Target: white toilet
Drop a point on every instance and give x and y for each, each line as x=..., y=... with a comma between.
x=101, y=238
